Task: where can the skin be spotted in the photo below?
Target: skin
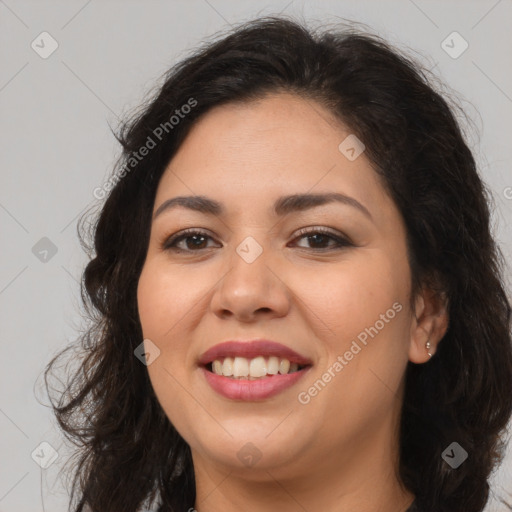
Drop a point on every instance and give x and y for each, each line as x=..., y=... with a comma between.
x=339, y=451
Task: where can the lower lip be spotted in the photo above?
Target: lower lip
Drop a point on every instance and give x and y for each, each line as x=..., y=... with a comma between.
x=252, y=390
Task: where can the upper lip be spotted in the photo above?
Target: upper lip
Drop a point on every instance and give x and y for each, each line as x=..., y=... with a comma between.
x=252, y=349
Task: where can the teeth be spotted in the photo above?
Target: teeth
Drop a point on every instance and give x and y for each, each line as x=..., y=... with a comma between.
x=227, y=367
x=273, y=365
x=258, y=367
x=240, y=367
x=284, y=366
x=217, y=367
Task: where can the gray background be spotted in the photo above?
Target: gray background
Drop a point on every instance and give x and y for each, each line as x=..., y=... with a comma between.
x=57, y=148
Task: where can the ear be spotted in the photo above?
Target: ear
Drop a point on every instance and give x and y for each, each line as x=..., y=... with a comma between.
x=430, y=324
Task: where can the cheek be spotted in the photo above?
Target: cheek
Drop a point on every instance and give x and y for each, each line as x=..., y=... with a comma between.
x=363, y=313
x=164, y=297
x=171, y=304
x=151, y=302
x=160, y=310
x=352, y=296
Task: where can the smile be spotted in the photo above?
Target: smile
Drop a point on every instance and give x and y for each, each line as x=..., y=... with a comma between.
x=252, y=389
x=256, y=368
x=252, y=370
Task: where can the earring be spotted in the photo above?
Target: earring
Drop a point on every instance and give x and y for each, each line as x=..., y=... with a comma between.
x=427, y=346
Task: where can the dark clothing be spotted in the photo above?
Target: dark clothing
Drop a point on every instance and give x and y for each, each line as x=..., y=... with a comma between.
x=413, y=507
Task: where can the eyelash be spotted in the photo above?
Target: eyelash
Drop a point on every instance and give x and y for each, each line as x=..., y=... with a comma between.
x=340, y=241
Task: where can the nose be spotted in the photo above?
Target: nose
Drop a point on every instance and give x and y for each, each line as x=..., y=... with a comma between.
x=251, y=290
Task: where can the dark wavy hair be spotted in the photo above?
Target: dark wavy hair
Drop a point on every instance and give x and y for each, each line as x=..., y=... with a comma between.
x=129, y=453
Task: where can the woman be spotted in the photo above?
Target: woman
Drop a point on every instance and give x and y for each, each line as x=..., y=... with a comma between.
x=298, y=302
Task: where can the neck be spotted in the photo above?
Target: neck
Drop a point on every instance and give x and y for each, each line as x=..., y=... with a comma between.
x=362, y=477
x=229, y=494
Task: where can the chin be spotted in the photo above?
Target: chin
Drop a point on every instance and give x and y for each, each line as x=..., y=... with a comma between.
x=252, y=449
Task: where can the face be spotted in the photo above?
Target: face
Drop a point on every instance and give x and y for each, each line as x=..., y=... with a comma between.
x=329, y=280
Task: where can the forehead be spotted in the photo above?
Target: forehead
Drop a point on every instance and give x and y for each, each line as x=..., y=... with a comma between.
x=248, y=153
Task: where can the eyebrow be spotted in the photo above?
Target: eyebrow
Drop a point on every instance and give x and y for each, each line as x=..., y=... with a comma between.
x=283, y=205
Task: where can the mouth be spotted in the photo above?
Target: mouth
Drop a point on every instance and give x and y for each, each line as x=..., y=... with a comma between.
x=252, y=371
x=259, y=367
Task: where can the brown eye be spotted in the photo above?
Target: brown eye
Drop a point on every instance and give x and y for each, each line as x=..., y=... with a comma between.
x=194, y=240
x=319, y=237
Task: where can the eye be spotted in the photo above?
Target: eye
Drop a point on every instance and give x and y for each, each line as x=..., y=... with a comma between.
x=196, y=237
x=193, y=240
x=320, y=236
